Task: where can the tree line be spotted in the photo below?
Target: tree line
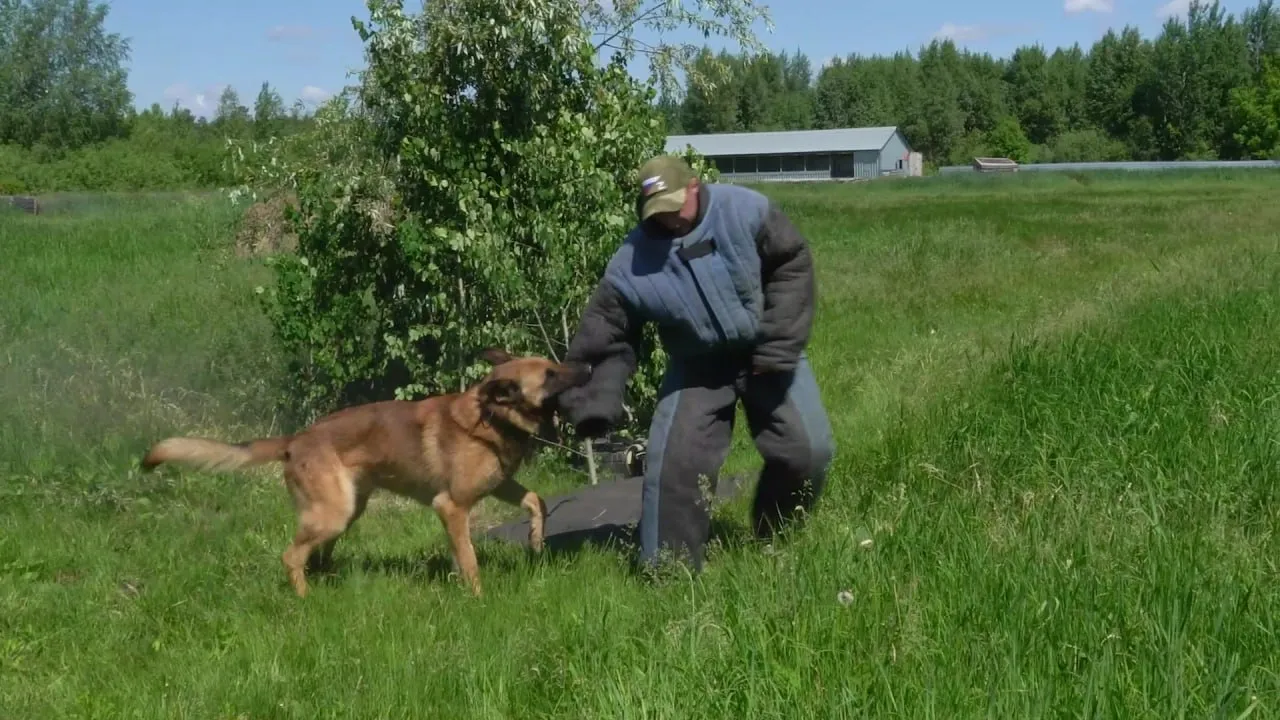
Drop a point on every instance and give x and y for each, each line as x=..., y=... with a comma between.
x=68, y=120
x=1206, y=87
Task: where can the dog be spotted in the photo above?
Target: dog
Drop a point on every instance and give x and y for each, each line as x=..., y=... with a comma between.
x=446, y=451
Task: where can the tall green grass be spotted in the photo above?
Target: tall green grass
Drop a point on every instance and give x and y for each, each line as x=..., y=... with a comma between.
x=1056, y=408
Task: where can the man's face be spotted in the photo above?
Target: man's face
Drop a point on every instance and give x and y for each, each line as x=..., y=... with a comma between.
x=680, y=222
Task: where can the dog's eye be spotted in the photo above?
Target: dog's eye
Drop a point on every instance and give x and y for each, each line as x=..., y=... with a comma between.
x=551, y=373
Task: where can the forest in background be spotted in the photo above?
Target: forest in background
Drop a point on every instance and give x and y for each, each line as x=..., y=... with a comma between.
x=1207, y=86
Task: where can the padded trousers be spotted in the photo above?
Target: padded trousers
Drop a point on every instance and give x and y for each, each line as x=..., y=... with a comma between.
x=689, y=440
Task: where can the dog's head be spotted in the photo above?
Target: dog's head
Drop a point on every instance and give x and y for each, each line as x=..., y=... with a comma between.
x=522, y=390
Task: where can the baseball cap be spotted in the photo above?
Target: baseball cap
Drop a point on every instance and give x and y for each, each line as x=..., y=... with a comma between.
x=662, y=184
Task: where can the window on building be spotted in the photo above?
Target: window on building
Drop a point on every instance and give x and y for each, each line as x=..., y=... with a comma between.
x=723, y=164
x=821, y=163
x=793, y=163
x=769, y=164
x=744, y=164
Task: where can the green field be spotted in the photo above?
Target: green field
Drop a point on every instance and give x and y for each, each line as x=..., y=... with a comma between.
x=1057, y=409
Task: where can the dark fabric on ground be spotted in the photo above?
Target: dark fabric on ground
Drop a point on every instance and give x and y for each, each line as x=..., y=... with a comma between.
x=599, y=514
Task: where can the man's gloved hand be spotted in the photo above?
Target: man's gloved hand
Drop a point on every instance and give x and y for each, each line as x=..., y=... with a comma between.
x=571, y=405
x=592, y=427
x=767, y=381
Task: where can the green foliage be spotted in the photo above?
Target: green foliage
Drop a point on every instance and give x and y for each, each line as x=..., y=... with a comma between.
x=154, y=151
x=612, y=27
x=66, y=116
x=1193, y=91
x=62, y=77
x=1255, y=113
x=468, y=193
x=1006, y=139
x=268, y=112
x=1087, y=145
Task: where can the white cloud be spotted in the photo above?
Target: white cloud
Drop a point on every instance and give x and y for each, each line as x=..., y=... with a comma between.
x=314, y=95
x=1173, y=8
x=200, y=101
x=288, y=33
x=1080, y=6
x=961, y=33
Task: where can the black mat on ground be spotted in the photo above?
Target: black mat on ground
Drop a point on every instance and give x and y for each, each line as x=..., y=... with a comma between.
x=600, y=514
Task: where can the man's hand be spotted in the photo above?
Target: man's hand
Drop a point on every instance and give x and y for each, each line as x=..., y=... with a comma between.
x=591, y=428
x=761, y=366
x=576, y=407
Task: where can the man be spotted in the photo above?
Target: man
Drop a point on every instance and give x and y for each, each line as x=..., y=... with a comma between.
x=729, y=283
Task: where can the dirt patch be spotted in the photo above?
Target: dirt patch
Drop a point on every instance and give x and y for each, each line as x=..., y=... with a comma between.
x=264, y=229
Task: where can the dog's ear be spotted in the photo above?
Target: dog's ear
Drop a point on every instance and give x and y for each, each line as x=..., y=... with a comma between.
x=496, y=356
x=502, y=391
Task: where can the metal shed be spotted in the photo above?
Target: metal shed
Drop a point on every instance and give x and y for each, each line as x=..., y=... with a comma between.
x=838, y=154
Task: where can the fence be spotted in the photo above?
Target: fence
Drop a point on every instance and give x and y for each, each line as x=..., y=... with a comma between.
x=79, y=202
x=1130, y=166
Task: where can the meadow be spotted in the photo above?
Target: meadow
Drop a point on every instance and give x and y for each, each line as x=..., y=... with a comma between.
x=1056, y=406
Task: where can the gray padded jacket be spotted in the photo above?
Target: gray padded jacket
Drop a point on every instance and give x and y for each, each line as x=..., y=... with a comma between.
x=741, y=282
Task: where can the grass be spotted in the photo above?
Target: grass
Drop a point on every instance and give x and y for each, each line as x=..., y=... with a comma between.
x=1056, y=406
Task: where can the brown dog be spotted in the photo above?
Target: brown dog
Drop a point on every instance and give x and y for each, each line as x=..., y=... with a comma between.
x=447, y=451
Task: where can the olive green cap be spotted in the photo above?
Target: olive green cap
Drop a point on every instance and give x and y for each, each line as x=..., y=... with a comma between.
x=662, y=184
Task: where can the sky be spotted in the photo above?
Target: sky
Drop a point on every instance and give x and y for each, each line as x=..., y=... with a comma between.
x=186, y=52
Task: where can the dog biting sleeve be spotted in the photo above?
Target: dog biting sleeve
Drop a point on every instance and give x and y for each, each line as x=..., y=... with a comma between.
x=608, y=339
x=786, y=270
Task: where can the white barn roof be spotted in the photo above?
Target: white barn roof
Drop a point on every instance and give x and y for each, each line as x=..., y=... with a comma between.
x=788, y=142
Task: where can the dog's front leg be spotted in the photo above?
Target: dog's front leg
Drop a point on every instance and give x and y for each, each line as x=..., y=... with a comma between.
x=457, y=521
x=514, y=493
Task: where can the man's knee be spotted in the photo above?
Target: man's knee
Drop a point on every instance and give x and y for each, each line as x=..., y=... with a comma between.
x=803, y=445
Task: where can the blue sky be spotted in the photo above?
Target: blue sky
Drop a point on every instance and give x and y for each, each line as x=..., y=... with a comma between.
x=185, y=51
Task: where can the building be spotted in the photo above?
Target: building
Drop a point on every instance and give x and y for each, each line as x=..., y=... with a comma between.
x=843, y=153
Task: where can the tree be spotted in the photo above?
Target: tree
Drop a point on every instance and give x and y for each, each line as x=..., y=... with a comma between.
x=940, y=125
x=1117, y=65
x=1032, y=98
x=268, y=112
x=713, y=105
x=1006, y=139
x=1067, y=72
x=612, y=25
x=1194, y=65
x=62, y=78
x=231, y=117
x=466, y=193
x=1262, y=34
x=1255, y=113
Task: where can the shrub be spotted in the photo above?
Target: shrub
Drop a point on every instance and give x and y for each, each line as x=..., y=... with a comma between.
x=467, y=193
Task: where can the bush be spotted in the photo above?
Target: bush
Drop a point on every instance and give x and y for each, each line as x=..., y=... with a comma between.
x=467, y=193
x=1008, y=140
x=1087, y=146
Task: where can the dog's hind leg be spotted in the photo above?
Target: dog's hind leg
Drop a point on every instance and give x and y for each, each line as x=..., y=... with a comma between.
x=513, y=493
x=322, y=558
x=326, y=500
x=457, y=522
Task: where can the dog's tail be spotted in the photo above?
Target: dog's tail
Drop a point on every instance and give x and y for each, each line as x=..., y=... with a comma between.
x=215, y=456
